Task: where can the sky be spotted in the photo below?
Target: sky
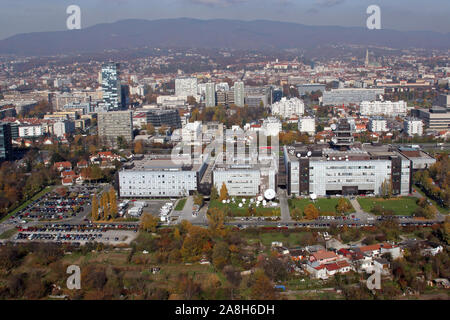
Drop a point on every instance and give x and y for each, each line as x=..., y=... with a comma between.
x=23, y=16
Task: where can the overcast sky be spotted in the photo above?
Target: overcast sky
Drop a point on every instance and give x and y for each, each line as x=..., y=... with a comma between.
x=22, y=16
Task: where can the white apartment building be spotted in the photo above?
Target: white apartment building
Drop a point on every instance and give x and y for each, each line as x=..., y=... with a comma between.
x=378, y=124
x=192, y=133
x=288, y=108
x=185, y=87
x=210, y=95
x=307, y=125
x=239, y=94
x=30, y=131
x=387, y=108
x=271, y=126
x=61, y=128
x=413, y=126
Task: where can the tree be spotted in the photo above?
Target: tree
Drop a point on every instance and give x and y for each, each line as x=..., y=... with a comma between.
x=343, y=206
x=112, y=202
x=139, y=147
x=311, y=212
x=150, y=129
x=104, y=205
x=262, y=288
x=386, y=189
x=149, y=223
x=296, y=214
x=221, y=255
x=162, y=130
x=223, y=192
x=214, y=193
x=94, y=212
x=198, y=199
x=216, y=220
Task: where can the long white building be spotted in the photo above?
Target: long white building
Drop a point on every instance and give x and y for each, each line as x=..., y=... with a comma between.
x=387, y=108
x=323, y=171
x=288, y=108
x=160, y=178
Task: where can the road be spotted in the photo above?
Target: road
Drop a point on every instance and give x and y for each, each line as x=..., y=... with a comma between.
x=284, y=206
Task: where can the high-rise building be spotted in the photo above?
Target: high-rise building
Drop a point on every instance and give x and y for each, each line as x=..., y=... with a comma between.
x=239, y=93
x=378, y=124
x=185, y=87
x=114, y=124
x=287, y=108
x=5, y=142
x=413, y=126
x=111, y=87
x=210, y=95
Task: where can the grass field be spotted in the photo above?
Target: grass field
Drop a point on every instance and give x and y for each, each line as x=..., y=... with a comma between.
x=404, y=206
x=242, y=212
x=180, y=205
x=323, y=204
x=8, y=234
x=23, y=205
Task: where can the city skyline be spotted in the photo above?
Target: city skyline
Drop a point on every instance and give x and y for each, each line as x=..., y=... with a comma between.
x=27, y=16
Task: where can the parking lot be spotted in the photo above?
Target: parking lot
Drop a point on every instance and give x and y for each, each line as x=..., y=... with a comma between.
x=55, y=207
x=62, y=233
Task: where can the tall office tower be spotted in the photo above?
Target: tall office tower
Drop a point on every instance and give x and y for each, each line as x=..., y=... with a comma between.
x=186, y=87
x=111, y=86
x=5, y=142
x=277, y=94
x=239, y=93
x=210, y=95
x=112, y=125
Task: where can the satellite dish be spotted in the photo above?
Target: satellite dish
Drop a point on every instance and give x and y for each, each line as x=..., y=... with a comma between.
x=260, y=198
x=313, y=196
x=243, y=200
x=224, y=201
x=299, y=155
x=333, y=127
x=240, y=205
x=309, y=154
x=269, y=194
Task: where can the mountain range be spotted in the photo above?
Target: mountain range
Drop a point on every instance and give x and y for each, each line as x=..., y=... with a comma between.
x=218, y=33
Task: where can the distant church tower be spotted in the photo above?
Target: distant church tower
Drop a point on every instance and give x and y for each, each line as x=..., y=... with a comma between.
x=367, y=62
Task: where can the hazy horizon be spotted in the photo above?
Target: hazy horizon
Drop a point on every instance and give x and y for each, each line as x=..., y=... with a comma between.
x=27, y=16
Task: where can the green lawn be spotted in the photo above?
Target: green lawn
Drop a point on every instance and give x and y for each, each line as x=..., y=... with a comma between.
x=242, y=212
x=8, y=234
x=180, y=204
x=404, y=206
x=23, y=205
x=323, y=204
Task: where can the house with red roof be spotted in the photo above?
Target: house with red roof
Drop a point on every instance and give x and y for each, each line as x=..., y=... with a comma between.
x=323, y=257
x=65, y=165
